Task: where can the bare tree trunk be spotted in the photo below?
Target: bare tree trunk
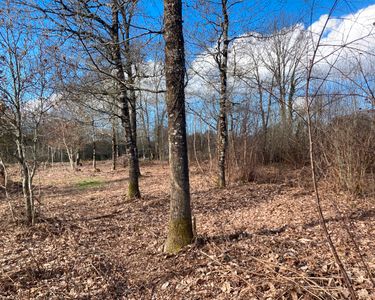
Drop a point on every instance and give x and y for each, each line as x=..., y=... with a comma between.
x=78, y=159
x=157, y=129
x=4, y=185
x=53, y=151
x=222, y=60
x=133, y=188
x=114, y=146
x=146, y=129
x=2, y=173
x=180, y=231
x=161, y=145
x=27, y=193
x=157, y=141
x=117, y=147
x=93, y=146
x=94, y=155
x=149, y=147
x=195, y=147
x=209, y=147
x=233, y=142
x=61, y=156
x=159, y=123
x=70, y=154
x=131, y=92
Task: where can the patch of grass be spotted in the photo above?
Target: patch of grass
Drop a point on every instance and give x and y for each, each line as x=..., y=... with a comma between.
x=89, y=183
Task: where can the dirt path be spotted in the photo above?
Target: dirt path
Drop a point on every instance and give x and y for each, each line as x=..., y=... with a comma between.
x=255, y=241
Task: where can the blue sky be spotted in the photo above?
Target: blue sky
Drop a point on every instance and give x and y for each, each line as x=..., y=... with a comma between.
x=303, y=8
x=296, y=10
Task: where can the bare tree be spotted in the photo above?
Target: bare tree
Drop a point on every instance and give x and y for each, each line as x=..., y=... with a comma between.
x=309, y=99
x=26, y=90
x=133, y=187
x=222, y=61
x=96, y=27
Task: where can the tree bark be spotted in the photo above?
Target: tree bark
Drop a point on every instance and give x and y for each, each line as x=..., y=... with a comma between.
x=53, y=152
x=27, y=192
x=131, y=92
x=209, y=147
x=133, y=187
x=195, y=147
x=94, y=155
x=146, y=129
x=114, y=146
x=2, y=175
x=180, y=231
x=78, y=160
x=93, y=146
x=222, y=60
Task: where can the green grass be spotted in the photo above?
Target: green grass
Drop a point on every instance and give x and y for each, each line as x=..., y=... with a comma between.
x=89, y=183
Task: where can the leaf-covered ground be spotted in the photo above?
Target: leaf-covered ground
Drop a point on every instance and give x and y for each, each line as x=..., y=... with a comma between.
x=259, y=240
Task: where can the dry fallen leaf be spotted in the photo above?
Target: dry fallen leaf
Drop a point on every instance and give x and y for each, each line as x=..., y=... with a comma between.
x=165, y=285
x=294, y=295
x=226, y=288
x=363, y=294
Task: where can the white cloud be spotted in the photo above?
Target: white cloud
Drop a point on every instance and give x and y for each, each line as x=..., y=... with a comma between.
x=345, y=37
x=346, y=41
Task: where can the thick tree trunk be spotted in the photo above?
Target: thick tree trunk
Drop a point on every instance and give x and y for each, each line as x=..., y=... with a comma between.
x=180, y=231
x=222, y=136
x=133, y=187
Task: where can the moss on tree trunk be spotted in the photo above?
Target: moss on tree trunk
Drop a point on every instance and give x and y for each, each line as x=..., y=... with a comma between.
x=180, y=234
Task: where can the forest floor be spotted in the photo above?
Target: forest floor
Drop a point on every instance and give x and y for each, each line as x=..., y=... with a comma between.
x=257, y=240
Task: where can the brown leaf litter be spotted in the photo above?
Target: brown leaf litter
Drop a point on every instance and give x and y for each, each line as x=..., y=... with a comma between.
x=258, y=240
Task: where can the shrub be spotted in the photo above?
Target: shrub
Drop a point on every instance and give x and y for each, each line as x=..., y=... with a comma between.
x=349, y=149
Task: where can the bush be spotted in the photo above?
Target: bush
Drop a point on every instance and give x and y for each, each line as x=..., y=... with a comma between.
x=349, y=150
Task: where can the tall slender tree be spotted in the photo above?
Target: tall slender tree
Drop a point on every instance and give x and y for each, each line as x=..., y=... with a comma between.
x=222, y=61
x=133, y=188
x=180, y=231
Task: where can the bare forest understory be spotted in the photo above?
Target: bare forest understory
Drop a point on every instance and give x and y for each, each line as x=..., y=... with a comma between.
x=258, y=240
